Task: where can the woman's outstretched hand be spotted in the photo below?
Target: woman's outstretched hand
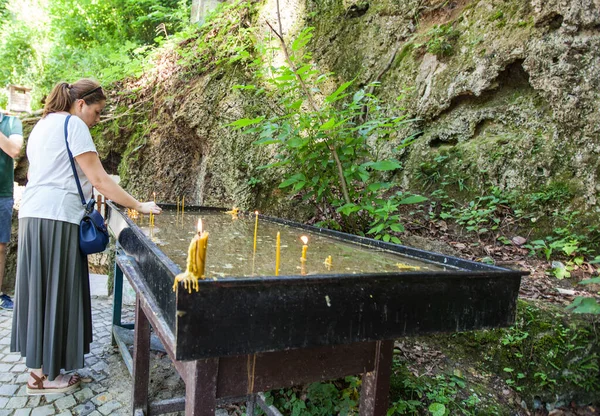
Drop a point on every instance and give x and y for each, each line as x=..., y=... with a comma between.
x=149, y=207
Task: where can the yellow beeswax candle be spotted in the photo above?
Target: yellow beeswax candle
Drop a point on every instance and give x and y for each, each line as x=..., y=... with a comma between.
x=255, y=229
x=304, y=247
x=196, y=261
x=328, y=262
x=277, y=253
x=178, y=205
x=202, y=243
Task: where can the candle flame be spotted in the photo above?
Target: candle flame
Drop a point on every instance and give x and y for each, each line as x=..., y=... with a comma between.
x=199, y=228
x=304, y=239
x=256, y=212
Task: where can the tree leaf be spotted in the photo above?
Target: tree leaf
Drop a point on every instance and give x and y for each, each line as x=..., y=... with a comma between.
x=379, y=185
x=348, y=209
x=244, y=122
x=397, y=227
x=329, y=124
x=336, y=94
x=437, y=409
x=385, y=165
x=358, y=95
x=292, y=180
x=413, y=199
x=585, y=305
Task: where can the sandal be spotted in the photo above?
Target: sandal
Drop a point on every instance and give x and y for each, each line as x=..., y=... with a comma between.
x=38, y=385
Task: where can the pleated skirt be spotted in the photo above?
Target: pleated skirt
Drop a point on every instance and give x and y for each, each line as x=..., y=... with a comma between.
x=52, y=317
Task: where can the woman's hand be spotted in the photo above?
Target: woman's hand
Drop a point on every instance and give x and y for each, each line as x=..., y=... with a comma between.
x=148, y=207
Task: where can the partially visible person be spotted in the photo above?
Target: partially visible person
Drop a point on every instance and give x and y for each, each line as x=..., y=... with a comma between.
x=52, y=320
x=11, y=141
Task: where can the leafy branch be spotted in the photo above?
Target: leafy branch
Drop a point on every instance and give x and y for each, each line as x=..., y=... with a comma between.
x=311, y=101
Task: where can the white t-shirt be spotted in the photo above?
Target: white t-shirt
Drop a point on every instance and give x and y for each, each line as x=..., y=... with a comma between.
x=51, y=191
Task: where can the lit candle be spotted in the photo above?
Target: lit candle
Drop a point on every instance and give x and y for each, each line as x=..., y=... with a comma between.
x=255, y=229
x=304, y=247
x=201, y=251
x=177, y=204
x=277, y=253
x=196, y=261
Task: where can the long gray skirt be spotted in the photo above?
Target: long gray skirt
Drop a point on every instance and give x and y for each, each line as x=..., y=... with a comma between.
x=52, y=318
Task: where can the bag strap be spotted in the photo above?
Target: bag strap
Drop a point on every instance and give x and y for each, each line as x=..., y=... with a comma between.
x=73, y=162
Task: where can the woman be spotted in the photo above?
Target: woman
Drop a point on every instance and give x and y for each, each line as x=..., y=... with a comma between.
x=52, y=322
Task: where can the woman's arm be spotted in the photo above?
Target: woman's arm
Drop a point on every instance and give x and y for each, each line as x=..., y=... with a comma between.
x=93, y=169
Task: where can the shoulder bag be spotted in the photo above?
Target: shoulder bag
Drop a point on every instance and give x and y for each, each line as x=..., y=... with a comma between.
x=93, y=234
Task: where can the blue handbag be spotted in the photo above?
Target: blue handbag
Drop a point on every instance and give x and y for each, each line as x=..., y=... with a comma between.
x=93, y=234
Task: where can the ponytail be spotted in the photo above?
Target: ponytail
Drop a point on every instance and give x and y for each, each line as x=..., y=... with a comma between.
x=63, y=95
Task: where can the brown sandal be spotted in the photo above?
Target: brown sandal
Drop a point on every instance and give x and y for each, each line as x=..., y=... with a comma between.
x=38, y=385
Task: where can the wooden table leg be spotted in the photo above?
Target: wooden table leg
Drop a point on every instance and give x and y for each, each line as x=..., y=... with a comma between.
x=141, y=359
x=201, y=387
x=250, y=405
x=376, y=384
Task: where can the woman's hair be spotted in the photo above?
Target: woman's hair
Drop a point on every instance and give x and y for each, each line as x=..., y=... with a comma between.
x=63, y=95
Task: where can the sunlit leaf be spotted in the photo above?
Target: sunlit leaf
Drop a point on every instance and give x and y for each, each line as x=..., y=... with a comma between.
x=292, y=180
x=244, y=122
x=413, y=199
x=385, y=165
x=336, y=94
x=585, y=305
x=329, y=124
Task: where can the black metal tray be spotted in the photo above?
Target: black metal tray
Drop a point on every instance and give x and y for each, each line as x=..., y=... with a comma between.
x=235, y=316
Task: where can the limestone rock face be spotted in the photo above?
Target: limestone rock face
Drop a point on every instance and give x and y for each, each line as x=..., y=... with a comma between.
x=514, y=105
x=506, y=93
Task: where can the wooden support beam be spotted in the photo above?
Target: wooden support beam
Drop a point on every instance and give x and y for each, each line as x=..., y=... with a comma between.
x=376, y=384
x=141, y=359
x=201, y=387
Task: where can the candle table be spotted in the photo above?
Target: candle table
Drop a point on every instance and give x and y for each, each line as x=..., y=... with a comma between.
x=247, y=330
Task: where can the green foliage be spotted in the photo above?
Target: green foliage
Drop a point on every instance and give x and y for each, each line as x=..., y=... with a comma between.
x=225, y=38
x=442, y=39
x=46, y=42
x=541, y=354
x=558, y=233
x=443, y=394
x=318, y=399
x=585, y=305
x=352, y=127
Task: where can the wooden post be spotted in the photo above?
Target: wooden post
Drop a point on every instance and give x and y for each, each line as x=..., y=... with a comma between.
x=100, y=205
x=141, y=359
x=376, y=384
x=201, y=387
x=117, y=299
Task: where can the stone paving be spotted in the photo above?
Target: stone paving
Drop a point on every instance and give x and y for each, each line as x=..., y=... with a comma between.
x=107, y=390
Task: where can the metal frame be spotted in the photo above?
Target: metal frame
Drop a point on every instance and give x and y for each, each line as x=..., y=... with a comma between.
x=213, y=381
